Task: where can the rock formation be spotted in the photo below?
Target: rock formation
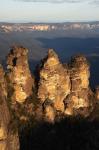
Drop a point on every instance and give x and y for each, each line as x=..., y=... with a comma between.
x=54, y=84
x=8, y=139
x=80, y=97
x=65, y=89
x=60, y=91
x=19, y=75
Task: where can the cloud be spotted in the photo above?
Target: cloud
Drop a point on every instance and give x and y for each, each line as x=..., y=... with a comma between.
x=53, y=1
x=93, y=2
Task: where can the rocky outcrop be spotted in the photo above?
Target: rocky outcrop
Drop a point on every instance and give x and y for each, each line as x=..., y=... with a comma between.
x=65, y=89
x=19, y=76
x=8, y=139
x=60, y=91
x=54, y=84
x=80, y=73
x=80, y=98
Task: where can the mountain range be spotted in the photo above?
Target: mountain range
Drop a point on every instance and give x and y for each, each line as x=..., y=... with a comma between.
x=21, y=27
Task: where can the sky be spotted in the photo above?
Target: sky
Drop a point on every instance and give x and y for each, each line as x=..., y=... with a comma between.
x=48, y=10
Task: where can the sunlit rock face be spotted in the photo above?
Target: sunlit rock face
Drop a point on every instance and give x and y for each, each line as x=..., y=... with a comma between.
x=4, y=113
x=65, y=89
x=19, y=74
x=97, y=93
x=8, y=139
x=79, y=73
x=54, y=84
x=49, y=114
x=80, y=96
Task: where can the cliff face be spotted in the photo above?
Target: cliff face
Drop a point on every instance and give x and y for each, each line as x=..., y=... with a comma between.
x=8, y=139
x=19, y=74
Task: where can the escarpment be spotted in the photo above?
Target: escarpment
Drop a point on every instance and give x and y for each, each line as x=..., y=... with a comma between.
x=8, y=139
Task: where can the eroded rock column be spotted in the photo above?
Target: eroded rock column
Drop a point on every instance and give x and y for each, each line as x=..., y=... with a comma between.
x=19, y=76
x=54, y=84
x=79, y=100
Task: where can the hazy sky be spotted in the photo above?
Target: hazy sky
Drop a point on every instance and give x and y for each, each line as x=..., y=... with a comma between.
x=49, y=10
